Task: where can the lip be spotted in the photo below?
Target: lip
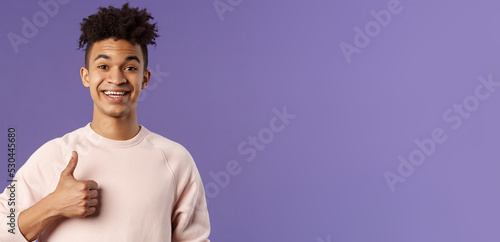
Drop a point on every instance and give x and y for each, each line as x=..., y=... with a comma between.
x=115, y=99
x=115, y=90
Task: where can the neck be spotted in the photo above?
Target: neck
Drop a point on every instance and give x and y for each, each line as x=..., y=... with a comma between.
x=117, y=128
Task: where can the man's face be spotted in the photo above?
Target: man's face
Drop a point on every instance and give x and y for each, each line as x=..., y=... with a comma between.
x=115, y=77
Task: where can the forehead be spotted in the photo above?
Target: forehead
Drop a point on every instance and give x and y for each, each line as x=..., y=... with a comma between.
x=115, y=49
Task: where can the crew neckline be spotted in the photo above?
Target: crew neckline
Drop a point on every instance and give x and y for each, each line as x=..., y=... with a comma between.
x=116, y=143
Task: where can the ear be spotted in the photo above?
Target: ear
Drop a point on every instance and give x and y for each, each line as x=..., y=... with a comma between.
x=84, y=74
x=145, y=79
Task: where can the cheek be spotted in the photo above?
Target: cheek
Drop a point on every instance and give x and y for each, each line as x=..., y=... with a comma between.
x=94, y=83
x=94, y=92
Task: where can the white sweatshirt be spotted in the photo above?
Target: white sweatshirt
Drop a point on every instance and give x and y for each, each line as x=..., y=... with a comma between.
x=149, y=188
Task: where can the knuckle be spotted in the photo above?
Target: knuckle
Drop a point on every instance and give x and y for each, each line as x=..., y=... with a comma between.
x=82, y=195
x=83, y=186
x=78, y=186
x=81, y=211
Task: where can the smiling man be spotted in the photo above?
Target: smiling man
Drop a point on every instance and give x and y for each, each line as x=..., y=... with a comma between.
x=111, y=180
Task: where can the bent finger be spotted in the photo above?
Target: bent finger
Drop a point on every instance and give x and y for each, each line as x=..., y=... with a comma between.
x=92, y=194
x=91, y=185
x=92, y=202
x=90, y=211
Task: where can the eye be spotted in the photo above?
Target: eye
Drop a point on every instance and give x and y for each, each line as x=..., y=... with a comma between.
x=102, y=67
x=130, y=68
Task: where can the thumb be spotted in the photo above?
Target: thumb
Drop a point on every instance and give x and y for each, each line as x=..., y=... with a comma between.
x=71, y=164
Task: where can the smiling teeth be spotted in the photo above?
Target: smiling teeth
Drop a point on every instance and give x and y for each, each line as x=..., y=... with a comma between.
x=108, y=93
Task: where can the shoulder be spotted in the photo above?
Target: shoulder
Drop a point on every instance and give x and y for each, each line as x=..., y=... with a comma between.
x=56, y=149
x=43, y=166
x=178, y=160
x=176, y=156
x=170, y=148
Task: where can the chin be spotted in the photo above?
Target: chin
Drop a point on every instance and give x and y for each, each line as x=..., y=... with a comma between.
x=117, y=113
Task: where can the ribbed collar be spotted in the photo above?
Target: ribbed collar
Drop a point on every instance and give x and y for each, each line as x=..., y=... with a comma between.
x=95, y=137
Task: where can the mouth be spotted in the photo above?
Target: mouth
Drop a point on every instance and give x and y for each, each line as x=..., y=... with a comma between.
x=116, y=96
x=115, y=93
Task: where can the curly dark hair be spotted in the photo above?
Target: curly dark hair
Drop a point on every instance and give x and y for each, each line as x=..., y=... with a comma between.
x=127, y=23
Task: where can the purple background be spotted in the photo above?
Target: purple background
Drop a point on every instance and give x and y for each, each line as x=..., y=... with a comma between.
x=322, y=177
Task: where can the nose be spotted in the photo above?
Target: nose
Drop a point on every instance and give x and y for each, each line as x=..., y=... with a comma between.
x=116, y=76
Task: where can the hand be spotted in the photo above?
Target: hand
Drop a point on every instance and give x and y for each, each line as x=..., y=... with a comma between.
x=74, y=198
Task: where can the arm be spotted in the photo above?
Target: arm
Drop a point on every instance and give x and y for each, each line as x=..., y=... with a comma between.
x=71, y=198
x=190, y=219
x=34, y=220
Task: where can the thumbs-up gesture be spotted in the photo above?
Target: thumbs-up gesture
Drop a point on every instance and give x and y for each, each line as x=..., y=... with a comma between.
x=74, y=198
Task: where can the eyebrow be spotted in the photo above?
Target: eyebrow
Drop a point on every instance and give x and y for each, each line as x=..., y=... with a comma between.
x=102, y=56
x=132, y=57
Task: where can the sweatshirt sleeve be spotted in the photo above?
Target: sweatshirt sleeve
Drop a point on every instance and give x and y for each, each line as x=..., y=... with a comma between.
x=190, y=220
x=9, y=220
x=15, y=198
x=28, y=187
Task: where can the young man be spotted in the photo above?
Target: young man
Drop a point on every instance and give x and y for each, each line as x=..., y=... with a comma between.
x=112, y=180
